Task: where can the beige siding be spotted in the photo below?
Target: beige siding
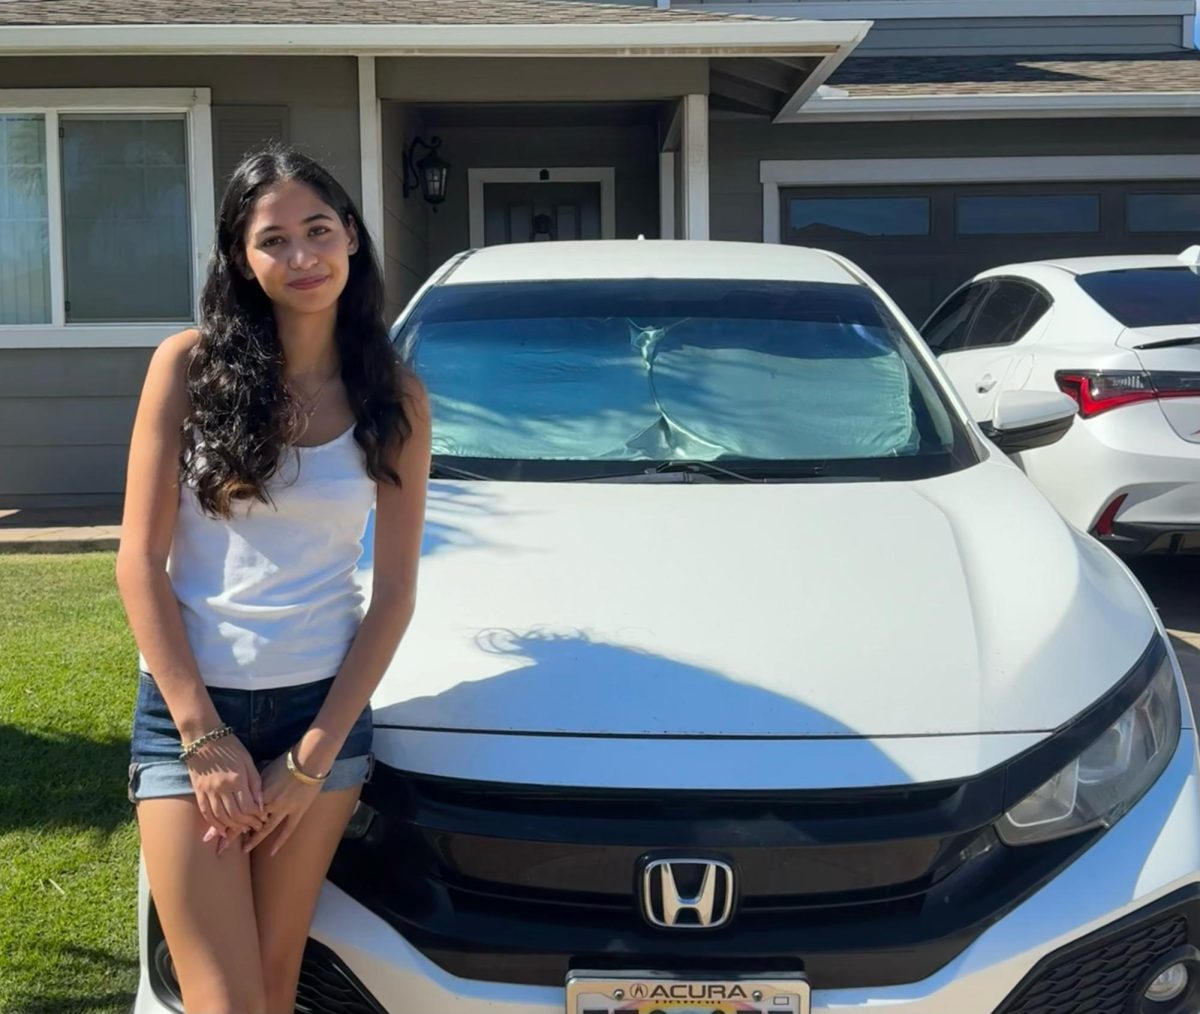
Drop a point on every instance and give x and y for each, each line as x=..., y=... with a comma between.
x=405, y=242
x=65, y=420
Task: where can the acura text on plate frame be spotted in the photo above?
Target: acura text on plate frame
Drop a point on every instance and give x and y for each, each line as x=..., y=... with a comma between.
x=650, y=992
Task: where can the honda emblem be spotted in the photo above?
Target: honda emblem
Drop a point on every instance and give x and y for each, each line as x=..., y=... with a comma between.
x=687, y=893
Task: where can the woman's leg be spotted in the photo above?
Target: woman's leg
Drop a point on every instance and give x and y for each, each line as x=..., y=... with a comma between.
x=206, y=907
x=286, y=887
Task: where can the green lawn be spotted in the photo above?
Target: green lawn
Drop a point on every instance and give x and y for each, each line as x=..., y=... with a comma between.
x=68, y=845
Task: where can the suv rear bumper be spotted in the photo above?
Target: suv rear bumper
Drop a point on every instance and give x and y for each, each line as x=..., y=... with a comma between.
x=1146, y=870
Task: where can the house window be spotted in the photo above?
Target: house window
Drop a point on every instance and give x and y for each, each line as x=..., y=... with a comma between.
x=1178, y=212
x=1028, y=214
x=24, y=221
x=858, y=216
x=106, y=214
x=126, y=240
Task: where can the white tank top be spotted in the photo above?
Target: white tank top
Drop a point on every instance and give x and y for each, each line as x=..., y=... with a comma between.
x=270, y=597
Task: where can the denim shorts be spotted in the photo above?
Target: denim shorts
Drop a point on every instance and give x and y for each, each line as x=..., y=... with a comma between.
x=267, y=722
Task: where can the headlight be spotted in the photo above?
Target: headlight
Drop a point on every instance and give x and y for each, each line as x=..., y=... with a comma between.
x=1100, y=786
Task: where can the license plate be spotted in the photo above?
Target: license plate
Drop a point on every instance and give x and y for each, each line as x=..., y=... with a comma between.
x=652, y=992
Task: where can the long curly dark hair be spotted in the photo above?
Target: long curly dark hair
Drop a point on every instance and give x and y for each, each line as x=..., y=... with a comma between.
x=242, y=415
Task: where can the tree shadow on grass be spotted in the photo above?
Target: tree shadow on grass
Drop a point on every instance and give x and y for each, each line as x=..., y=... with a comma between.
x=59, y=782
x=81, y=965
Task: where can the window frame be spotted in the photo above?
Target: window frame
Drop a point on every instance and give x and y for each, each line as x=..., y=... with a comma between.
x=195, y=106
x=984, y=285
x=997, y=281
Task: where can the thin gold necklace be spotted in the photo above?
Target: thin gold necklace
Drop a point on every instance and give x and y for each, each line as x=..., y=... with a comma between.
x=309, y=407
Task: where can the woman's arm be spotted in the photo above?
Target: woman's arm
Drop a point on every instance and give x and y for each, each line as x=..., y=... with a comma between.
x=151, y=507
x=399, y=520
x=228, y=787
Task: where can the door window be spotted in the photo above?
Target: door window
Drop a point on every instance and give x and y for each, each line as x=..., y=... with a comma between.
x=947, y=329
x=1009, y=310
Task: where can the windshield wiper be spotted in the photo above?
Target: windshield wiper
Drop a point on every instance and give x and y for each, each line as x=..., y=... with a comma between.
x=1167, y=343
x=756, y=471
x=701, y=467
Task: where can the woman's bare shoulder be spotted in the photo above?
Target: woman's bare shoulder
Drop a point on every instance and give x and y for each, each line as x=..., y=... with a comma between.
x=166, y=377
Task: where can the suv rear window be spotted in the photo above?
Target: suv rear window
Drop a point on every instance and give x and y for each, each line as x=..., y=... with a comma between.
x=1147, y=297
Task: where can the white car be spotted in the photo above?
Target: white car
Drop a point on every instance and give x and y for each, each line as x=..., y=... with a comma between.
x=1120, y=335
x=748, y=675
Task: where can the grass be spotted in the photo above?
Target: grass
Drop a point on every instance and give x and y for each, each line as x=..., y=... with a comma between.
x=68, y=845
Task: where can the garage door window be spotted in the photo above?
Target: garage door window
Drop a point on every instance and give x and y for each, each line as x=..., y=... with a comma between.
x=1163, y=212
x=859, y=216
x=1028, y=214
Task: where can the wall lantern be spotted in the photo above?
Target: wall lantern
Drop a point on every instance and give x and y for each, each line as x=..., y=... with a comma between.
x=429, y=173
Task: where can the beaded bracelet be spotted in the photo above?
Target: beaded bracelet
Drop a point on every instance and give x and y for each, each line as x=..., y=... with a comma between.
x=218, y=733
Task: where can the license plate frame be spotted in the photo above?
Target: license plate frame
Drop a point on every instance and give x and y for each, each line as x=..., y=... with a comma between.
x=595, y=992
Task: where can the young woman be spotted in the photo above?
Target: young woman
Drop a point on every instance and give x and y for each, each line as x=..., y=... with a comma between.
x=262, y=440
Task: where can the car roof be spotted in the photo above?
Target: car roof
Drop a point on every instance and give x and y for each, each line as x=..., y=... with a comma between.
x=1091, y=265
x=580, y=260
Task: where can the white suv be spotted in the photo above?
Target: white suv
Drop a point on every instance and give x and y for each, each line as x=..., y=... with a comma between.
x=749, y=675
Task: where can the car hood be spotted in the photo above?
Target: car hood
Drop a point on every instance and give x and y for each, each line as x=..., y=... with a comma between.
x=958, y=605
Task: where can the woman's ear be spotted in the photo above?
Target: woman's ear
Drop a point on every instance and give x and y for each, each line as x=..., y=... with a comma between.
x=240, y=264
x=352, y=230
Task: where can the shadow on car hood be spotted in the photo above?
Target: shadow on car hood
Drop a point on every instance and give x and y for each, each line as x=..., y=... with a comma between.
x=958, y=605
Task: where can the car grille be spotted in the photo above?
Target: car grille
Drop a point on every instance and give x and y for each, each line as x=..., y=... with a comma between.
x=1100, y=978
x=1103, y=973
x=520, y=884
x=328, y=987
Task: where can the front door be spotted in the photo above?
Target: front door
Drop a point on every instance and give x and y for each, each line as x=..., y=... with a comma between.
x=537, y=212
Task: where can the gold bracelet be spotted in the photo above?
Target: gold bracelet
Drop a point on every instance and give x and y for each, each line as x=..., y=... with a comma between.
x=296, y=773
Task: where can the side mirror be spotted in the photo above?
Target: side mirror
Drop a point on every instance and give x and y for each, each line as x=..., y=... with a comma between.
x=1023, y=420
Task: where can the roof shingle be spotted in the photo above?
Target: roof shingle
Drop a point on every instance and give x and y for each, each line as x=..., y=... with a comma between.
x=343, y=12
x=941, y=76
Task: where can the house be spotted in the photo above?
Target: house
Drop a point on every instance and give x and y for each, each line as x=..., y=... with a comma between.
x=925, y=139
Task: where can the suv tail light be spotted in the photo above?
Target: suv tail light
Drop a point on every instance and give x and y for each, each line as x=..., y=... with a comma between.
x=1097, y=391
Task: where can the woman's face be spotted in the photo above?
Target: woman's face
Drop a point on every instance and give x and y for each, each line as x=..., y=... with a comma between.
x=298, y=248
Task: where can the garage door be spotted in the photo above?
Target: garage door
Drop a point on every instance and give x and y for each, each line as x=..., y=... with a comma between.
x=922, y=242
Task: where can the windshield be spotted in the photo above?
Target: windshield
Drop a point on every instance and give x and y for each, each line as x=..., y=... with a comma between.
x=536, y=379
x=1147, y=297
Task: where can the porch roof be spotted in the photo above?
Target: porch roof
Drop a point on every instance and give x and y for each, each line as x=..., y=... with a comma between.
x=762, y=65
x=33, y=13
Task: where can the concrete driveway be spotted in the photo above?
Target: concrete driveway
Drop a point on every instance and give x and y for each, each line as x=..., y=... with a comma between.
x=1174, y=585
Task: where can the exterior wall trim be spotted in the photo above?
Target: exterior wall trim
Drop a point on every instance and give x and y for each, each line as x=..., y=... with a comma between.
x=832, y=108
x=604, y=175
x=635, y=38
x=799, y=100
x=196, y=106
x=777, y=173
x=694, y=152
x=889, y=10
x=370, y=147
